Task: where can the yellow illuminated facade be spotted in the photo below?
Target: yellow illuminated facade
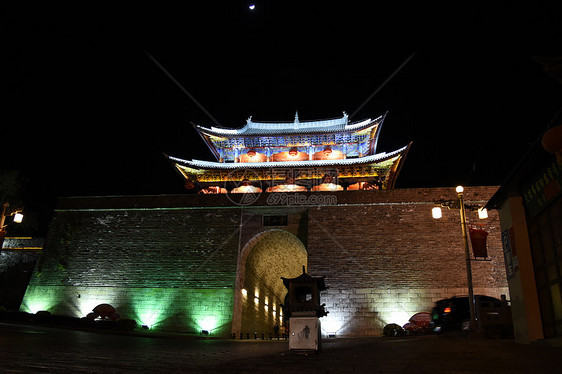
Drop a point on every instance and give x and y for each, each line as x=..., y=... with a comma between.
x=307, y=152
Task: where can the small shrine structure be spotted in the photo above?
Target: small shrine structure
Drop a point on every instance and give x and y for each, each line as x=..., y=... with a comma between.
x=303, y=309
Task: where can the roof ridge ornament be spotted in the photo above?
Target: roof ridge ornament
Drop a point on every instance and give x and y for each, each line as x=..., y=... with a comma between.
x=250, y=128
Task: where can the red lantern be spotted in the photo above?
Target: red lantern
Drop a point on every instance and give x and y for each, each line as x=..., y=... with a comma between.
x=251, y=153
x=478, y=240
x=552, y=142
x=293, y=152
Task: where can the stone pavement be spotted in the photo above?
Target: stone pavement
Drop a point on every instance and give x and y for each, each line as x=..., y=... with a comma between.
x=425, y=354
x=34, y=349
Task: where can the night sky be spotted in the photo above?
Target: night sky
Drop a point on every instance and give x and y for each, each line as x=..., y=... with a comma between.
x=87, y=112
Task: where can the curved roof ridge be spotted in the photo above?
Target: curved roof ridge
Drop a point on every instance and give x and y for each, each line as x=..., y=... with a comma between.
x=311, y=123
x=282, y=128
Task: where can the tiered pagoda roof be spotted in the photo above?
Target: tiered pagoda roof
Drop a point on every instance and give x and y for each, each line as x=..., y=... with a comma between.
x=308, y=150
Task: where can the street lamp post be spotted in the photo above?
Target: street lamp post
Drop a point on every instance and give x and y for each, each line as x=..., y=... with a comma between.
x=459, y=204
x=18, y=217
x=3, y=217
x=460, y=191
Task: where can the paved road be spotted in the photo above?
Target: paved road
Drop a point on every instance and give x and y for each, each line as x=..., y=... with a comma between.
x=31, y=349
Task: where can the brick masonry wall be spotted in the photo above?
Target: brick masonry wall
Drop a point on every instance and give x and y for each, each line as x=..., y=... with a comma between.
x=154, y=248
x=397, y=244
x=388, y=258
x=383, y=255
x=163, y=308
x=16, y=268
x=170, y=267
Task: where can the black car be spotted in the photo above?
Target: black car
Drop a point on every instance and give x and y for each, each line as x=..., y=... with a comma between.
x=454, y=313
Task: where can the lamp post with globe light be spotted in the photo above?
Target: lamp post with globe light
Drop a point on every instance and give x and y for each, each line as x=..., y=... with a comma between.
x=482, y=214
x=18, y=217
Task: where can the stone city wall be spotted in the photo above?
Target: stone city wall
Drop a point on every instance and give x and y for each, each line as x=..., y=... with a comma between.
x=383, y=256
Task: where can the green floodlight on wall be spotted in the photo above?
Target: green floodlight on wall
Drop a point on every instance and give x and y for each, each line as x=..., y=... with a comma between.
x=208, y=323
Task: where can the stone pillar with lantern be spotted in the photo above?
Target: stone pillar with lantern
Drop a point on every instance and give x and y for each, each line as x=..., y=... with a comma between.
x=303, y=309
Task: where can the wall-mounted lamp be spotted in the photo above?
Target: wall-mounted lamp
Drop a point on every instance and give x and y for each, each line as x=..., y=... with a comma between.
x=482, y=213
x=436, y=212
x=18, y=217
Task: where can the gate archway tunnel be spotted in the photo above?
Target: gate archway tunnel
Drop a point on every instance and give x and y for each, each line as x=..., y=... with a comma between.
x=266, y=258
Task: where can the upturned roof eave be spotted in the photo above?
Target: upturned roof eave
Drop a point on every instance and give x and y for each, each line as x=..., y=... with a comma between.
x=199, y=164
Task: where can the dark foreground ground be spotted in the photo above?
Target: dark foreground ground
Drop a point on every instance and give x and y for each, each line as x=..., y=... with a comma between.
x=32, y=349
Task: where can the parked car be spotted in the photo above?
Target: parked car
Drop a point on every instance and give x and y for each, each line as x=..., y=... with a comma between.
x=420, y=323
x=454, y=314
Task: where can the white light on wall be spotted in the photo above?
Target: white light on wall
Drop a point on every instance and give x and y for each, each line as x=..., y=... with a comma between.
x=482, y=213
x=332, y=324
x=436, y=212
x=244, y=292
x=400, y=318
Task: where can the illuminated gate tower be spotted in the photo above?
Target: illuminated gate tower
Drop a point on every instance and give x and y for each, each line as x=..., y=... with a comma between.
x=323, y=155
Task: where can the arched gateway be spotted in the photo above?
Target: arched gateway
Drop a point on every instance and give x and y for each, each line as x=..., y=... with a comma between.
x=262, y=262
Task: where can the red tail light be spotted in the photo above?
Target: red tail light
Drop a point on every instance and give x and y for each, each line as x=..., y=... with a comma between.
x=447, y=310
